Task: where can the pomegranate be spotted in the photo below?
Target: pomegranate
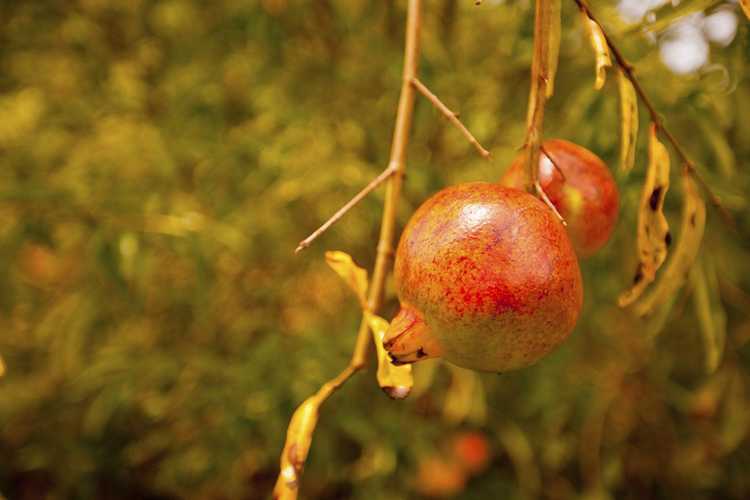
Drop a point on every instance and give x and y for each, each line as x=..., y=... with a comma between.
x=582, y=190
x=487, y=279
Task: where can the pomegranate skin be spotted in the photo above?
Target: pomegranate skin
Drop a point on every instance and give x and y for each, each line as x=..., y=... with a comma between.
x=487, y=278
x=586, y=197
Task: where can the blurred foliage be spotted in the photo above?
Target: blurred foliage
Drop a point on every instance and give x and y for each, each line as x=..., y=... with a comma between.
x=160, y=162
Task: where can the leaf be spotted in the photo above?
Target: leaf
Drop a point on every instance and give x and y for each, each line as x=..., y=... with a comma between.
x=396, y=381
x=667, y=14
x=629, y=121
x=745, y=4
x=297, y=446
x=654, y=237
x=351, y=273
x=2, y=367
x=711, y=316
x=553, y=38
x=464, y=399
x=601, y=50
x=684, y=254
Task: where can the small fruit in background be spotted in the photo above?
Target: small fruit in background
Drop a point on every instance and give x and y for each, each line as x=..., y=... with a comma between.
x=487, y=279
x=472, y=450
x=580, y=186
x=440, y=477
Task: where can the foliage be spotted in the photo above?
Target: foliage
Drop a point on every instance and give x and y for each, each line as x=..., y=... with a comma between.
x=161, y=161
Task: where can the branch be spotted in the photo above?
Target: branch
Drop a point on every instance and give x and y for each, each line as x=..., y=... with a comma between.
x=302, y=424
x=452, y=116
x=540, y=74
x=343, y=210
x=656, y=119
x=540, y=192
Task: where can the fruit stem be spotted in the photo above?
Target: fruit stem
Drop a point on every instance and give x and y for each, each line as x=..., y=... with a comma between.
x=287, y=484
x=540, y=71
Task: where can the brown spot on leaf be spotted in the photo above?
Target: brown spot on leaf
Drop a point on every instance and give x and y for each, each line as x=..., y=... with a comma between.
x=653, y=200
x=638, y=274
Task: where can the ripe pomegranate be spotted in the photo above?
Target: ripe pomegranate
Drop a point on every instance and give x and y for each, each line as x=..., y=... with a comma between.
x=584, y=193
x=487, y=279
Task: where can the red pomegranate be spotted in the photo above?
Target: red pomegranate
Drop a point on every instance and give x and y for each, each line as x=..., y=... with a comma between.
x=584, y=193
x=487, y=279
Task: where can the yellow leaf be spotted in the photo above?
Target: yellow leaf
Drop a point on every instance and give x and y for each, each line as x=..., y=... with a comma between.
x=745, y=4
x=396, y=381
x=351, y=273
x=2, y=367
x=553, y=38
x=654, y=237
x=601, y=50
x=684, y=254
x=298, y=440
x=629, y=121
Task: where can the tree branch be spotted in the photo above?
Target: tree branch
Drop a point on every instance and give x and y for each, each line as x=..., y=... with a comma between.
x=343, y=210
x=302, y=424
x=452, y=116
x=656, y=118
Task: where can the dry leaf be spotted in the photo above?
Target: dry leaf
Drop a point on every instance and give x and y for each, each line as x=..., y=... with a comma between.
x=654, y=237
x=601, y=50
x=351, y=273
x=684, y=254
x=396, y=381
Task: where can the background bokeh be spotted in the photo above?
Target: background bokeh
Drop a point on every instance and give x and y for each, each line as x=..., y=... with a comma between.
x=160, y=160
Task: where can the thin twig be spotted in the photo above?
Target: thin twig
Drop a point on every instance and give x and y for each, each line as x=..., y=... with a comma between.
x=656, y=118
x=390, y=170
x=452, y=116
x=553, y=162
x=548, y=202
x=287, y=485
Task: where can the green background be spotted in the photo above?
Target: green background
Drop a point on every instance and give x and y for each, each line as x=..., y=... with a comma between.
x=159, y=161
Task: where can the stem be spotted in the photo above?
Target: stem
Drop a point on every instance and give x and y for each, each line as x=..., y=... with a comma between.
x=287, y=485
x=538, y=92
x=656, y=119
x=452, y=116
x=343, y=210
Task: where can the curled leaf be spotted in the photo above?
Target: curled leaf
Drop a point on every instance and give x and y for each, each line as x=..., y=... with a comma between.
x=601, y=50
x=553, y=49
x=684, y=254
x=629, y=121
x=654, y=237
x=298, y=440
x=351, y=273
x=396, y=381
